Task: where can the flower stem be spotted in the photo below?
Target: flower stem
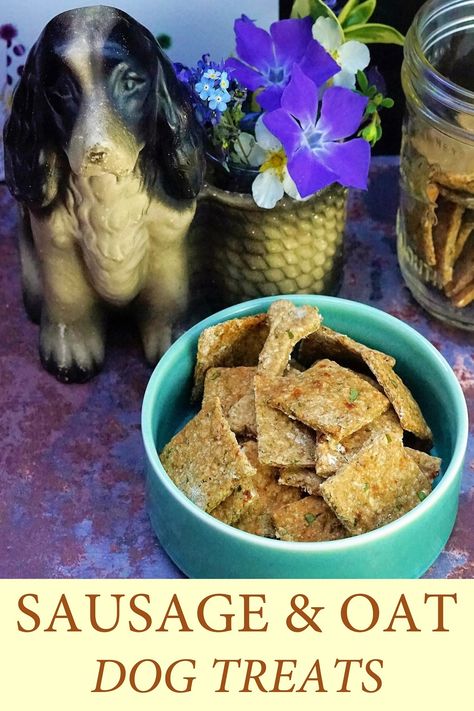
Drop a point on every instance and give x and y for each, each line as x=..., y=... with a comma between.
x=233, y=125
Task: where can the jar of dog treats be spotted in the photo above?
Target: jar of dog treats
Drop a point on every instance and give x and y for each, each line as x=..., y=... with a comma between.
x=436, y=217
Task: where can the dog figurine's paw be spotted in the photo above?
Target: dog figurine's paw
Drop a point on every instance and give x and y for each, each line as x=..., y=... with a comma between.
x=73, y=353
x=156, y=338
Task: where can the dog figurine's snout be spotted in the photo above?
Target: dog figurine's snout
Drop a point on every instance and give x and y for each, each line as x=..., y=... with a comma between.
x=97, y=156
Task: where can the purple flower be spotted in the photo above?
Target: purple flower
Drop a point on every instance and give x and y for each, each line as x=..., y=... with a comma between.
x=267, y=59
x=311, y=135
x=375, y=78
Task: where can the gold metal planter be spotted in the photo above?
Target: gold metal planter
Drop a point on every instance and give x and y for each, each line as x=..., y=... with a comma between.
x=245, y=251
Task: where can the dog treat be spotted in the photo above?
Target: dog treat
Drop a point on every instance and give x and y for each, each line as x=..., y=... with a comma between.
x=464, y=270
x=309, y=519
x=282, y=442
x=464, y=297
x=288, y=325
x=324, y=456
x=232, y=508
x=465, y=232
x=445, y=235
x=228, y=384
x=428, y=464
x=257, y=518
x=329, y=399
x=303, y=477
x=455, y=181
x=242, y=416
x=326, y=343
x=404, y=404
x=377, y=486
x=235, y=342
x=204, y=459
x=437, y=211
x=331, y=455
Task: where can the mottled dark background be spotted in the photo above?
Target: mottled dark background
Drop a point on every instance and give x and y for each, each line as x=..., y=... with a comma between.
x=388, y=59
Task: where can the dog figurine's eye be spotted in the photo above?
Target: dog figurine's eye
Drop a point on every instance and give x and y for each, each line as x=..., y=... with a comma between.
x=131, y=81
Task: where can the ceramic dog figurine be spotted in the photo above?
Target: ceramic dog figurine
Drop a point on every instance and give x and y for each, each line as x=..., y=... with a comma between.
x=103, y=153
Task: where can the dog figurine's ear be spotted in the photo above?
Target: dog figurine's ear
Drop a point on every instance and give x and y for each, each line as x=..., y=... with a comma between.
x=178, y=144
x=31, y=162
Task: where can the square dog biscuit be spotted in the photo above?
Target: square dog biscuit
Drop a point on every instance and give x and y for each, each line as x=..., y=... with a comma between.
x=309, y=519
x=463, y=273
x=428, y=464
x=204, y=459
x=288, y=324
x=228, y=384
x=403, y=402
x=282, y=442
x=257, y=517
x=326, y=343
x=378, y=485
x=231, y=509
x=331, y=455
x=303, y=477
x=235, y=342
x=464, y=297
x=445, y=236
x=329, y=399
x=242, y=416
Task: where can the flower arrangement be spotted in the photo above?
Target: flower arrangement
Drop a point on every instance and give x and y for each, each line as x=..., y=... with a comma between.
x=295, y=107
x=12, y=51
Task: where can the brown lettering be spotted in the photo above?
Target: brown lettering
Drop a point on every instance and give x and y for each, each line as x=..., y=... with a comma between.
x=248, y=612
x=63, y=603
x=440, y=597
x=280, y=674
x=141, y=613
x=93, y=613
x=318, y=678
x=347, y=671
x=174, y=605
x=373, y=675
x=100, y=676
x=406, y=615
x=251, y=676
x=226, y=662
x=188, y=679
x=202, y=617
x=345, y=615
x=26, y=610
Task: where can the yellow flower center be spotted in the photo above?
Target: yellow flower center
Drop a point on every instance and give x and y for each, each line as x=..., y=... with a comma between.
x=276, y=162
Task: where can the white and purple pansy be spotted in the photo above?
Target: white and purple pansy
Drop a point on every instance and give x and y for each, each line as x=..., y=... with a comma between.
x=266, y=59
x=312, y=133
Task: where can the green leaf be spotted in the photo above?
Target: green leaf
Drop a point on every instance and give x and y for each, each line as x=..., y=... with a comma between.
x=362, y=81
x=353, y=395
x=374, y=33
x=360, y=14
x=315, y=8
x=387, y=103
x=347, y=9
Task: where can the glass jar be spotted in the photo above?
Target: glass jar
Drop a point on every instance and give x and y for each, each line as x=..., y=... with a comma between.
x=436, y=217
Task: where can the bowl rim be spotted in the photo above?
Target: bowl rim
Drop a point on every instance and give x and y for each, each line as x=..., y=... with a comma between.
x=453, y=470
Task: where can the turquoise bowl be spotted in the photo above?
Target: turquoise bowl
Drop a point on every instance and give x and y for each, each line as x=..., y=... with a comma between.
x=203, y=547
